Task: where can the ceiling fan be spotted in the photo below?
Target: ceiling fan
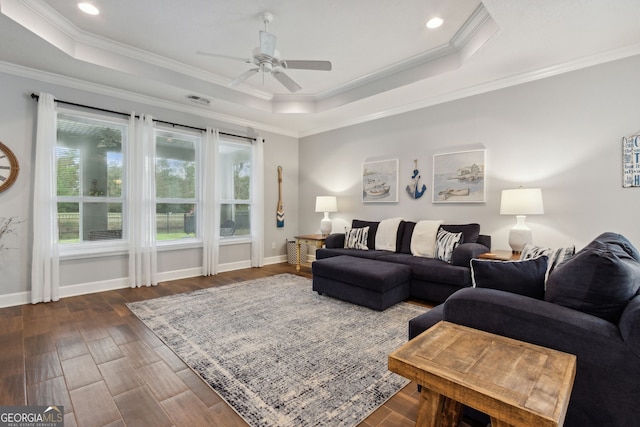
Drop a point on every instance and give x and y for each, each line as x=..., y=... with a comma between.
x=267, y=58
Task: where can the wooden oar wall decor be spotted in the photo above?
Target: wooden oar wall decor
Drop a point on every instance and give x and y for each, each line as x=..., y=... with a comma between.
x=280, y=210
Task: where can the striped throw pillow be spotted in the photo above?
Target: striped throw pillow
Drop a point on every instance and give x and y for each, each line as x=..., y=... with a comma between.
x=555, y=256
x=356, y=238
x=446, y=242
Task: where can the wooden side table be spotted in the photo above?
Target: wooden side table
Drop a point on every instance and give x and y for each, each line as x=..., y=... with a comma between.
x=316, y=240
x=500, y=255
x=515, y=383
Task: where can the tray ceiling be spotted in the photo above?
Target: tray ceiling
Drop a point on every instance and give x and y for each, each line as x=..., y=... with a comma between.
x=384, y=59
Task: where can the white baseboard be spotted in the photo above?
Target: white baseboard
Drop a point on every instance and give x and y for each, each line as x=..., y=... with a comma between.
x=93, y=287
x=21, y=298
x=275, y=260
x=179, y=274
x=234, y=266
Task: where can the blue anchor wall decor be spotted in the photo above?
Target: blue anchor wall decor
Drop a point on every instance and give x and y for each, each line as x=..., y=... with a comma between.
x=413, y=188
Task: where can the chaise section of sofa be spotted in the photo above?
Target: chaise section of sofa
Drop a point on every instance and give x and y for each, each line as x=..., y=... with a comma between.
x=431, y=279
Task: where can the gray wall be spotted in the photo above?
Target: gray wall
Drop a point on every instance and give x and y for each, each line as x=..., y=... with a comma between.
x=562, y=134
x=17, y=131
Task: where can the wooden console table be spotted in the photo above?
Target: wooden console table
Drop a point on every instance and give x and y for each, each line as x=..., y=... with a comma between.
x=316, y=240
x=515, y=383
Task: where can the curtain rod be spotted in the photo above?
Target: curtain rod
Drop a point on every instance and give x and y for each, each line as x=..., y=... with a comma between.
x=37, y=97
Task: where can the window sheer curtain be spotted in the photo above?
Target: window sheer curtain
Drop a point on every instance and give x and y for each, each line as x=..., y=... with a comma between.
x=141, y=218
x=211, y=203
x=257, y=210
x=45, y=266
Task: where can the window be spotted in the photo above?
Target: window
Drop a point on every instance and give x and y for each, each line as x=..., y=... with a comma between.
x=90, y=178
x=91, y=182
x=176, y=185
x=235, y=189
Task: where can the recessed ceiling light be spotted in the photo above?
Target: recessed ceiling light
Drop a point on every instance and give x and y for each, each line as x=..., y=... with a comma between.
x=88, y=8
x=434, y=23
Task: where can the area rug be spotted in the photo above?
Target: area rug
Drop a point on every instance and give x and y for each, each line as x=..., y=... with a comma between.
x=282, y=355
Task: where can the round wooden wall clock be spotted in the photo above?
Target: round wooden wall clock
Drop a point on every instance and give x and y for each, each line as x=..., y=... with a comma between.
x=9, y=167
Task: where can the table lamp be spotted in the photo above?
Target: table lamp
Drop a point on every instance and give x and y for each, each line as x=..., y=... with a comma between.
x=521, y=202
x=326, y=204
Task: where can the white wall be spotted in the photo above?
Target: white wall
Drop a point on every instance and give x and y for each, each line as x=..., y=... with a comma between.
x=17, y=131
x=562, y=134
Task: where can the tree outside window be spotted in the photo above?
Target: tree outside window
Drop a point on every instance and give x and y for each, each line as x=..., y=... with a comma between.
x=176, y=185
x=89, y=181
x=235, y=178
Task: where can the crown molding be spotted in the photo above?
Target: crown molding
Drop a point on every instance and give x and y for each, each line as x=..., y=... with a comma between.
x=543, y=73
x=478, y=29
x=47, y=23
x=39, y=18
x=72, y=83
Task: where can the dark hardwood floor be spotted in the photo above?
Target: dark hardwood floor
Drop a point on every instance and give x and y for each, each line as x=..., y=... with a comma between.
x=90, y=354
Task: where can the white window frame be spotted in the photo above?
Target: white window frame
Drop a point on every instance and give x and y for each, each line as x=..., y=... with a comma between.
x=245, y=237
x=96, y=248
x=197, y=200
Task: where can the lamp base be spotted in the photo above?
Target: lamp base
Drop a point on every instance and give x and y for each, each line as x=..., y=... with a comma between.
x=325, y=225
x=519, y=235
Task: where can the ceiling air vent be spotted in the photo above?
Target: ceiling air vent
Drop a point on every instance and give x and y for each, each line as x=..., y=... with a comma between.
x=199, y=100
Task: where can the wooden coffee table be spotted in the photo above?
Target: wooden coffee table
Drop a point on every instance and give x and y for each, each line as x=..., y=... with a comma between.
x=515, y=383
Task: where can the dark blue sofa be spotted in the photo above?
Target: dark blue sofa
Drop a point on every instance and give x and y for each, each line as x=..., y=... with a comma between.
x=431, y=279
x=591, y=308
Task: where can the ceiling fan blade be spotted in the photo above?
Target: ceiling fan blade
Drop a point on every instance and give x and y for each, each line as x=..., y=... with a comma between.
x=286, y=81
x=242, y=77
x=216, y=55
x=267, y=43
x=306, y=65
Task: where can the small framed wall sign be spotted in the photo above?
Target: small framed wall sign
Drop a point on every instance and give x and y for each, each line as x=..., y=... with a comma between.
x=380, y=181
x=631, y=161
x=459, y=177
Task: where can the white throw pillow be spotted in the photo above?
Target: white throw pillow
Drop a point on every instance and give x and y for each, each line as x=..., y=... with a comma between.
x=387, y=234
x=423, y=239
x=356, y=238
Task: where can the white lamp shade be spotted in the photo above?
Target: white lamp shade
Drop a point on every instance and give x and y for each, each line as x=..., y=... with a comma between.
x=521, y=201
x=326, y=204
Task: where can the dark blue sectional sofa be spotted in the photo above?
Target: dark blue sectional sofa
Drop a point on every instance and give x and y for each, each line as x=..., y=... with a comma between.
x=590, y=308
x=430, y=279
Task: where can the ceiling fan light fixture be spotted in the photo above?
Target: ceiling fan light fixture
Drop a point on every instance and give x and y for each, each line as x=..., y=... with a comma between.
x=88, y=8
x=434, y=23
x=267, y=59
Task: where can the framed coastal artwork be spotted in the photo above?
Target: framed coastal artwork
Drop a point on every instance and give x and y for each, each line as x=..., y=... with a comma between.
x=459, y=177
x=380, y=181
